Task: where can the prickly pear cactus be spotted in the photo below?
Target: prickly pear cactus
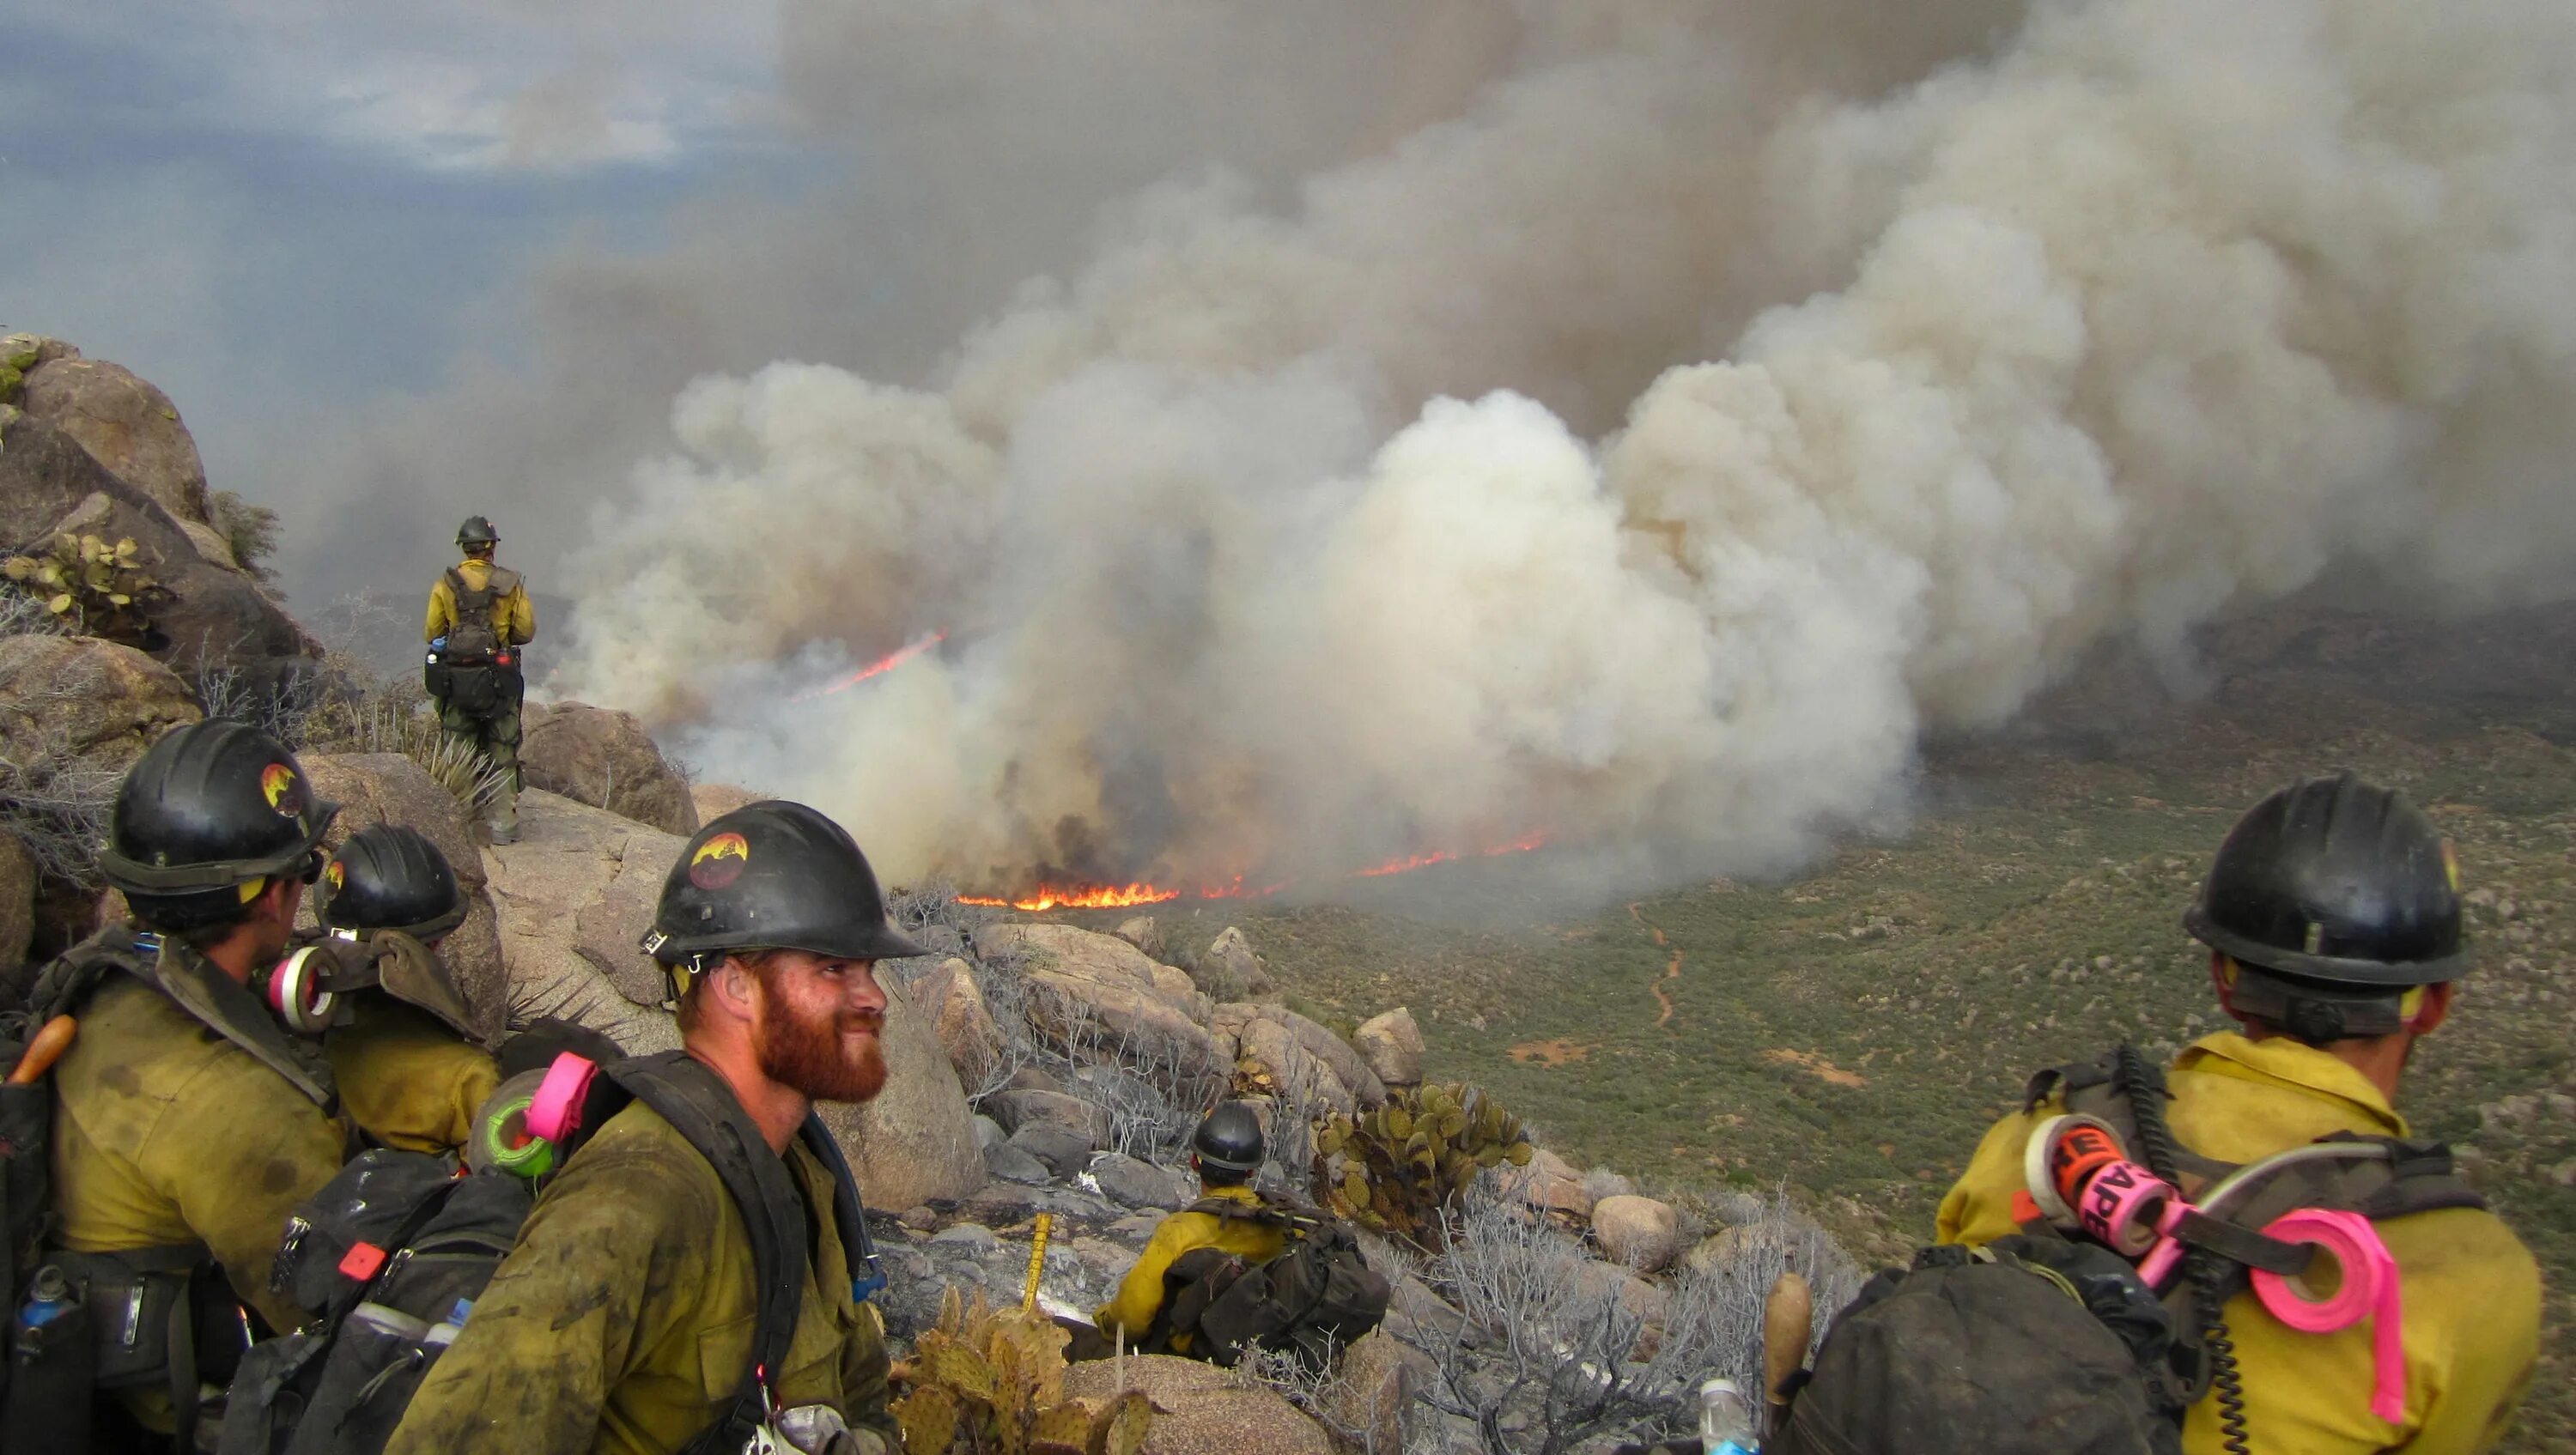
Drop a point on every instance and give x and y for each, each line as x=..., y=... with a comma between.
x=983, y=1382
x=1396, y=1167
x=91, y=585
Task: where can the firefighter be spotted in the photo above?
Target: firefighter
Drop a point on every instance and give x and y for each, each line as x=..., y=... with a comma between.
x=623, y=1320
x=479, y=618
x=187, y=1120
x=2332, y=917
x=410, y=1069
x=1225, y=1151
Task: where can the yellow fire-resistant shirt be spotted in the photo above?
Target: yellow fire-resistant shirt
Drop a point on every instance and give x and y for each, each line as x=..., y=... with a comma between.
x=405, y=1077
x=514, y=620
x=622, y=1321
x=167, y=1134
x=1140, y=1293
x=2471, y=1290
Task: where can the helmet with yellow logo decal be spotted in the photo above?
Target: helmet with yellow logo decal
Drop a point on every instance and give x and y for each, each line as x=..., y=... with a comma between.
x=214, y=808
x=390, y=877
x=773, y=876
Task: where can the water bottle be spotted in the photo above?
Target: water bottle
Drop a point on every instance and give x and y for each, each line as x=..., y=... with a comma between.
x=49, y=1297
x=1726, y=1420
x=446, y=1332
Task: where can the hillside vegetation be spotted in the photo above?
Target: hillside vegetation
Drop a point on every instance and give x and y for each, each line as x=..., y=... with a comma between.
x=1853, y=1031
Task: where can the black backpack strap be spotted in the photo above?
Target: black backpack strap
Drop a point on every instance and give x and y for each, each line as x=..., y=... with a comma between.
x=699, y=1105
x=216, y=1001
x=849, y=1214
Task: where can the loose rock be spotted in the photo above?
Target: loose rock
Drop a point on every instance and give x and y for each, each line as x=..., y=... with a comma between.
x=1020, y=1110
x=1129, y=1182
x=1065, y=1153
x=1637, y=1232
x=1392, y=1045
x=1236, y=972
x=1209, y=1414
x=604, y=758
x=1015, y=1164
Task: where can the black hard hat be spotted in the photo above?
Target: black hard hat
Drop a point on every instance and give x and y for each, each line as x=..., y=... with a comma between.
x=477, y=531
x=1230, y=1139
x=390, y=877
x=2339, y=881
x=213, y=805
x=773, y=875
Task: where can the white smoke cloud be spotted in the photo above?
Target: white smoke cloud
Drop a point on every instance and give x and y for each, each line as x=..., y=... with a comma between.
x=2159, y=310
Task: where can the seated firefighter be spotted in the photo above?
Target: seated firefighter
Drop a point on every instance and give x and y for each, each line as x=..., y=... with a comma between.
x=2332, y=914
x=402, y=1049
x=1158, y=1302
x=186, y=1120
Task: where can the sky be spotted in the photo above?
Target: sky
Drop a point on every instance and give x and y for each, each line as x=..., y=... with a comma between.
x=282, y=211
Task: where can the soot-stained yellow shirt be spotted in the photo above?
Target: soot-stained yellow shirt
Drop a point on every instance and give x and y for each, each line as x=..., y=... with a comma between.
x=622, y=1321
x=2470, y=1289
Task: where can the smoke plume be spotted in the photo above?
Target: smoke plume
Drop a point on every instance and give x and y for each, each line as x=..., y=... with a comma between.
x=1645, y=449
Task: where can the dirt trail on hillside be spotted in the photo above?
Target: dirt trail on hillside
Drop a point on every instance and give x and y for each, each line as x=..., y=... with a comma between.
x=1672, y=966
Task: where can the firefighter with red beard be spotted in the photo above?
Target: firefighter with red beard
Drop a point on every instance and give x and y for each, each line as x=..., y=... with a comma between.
x=623, y=1320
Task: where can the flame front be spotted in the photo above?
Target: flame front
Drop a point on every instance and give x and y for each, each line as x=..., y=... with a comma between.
x=1084, y=896
x=1099, y=896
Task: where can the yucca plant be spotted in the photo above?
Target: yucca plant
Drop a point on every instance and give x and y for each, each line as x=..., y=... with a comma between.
x=992, y=1383
x=1399, y=1167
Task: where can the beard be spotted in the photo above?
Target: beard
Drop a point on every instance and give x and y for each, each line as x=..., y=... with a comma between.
x=823, y=1056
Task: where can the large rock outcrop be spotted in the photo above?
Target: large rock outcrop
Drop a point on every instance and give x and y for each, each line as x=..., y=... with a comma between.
x=1081, y=975
x=916, y=1140
x=82, y=699
x=575, y=894
x=126, y=424
x=604, y=758
x=215, y=618
x=387, y=788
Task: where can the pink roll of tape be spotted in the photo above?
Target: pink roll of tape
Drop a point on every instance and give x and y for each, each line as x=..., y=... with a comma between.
x=2121, y=1205
x=552, y=1112
x=2368, y=1289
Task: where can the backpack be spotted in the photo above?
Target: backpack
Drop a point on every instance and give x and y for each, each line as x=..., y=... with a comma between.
x=2081, y=1369
x=1316, y=1297
x=475, y=671
x=390, y=1256
x=2031, y=1345
x=137, y=1317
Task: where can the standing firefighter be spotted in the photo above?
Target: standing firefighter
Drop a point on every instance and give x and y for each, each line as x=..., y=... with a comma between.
x=2332, y=916
x=479, y=617
x=187, y=1119
x=690, y=1279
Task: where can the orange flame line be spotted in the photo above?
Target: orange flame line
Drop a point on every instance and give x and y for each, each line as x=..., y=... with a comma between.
x=1094, y=896
x=878, y=667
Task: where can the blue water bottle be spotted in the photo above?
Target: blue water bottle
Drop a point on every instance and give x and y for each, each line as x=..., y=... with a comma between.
x=49, y=1297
